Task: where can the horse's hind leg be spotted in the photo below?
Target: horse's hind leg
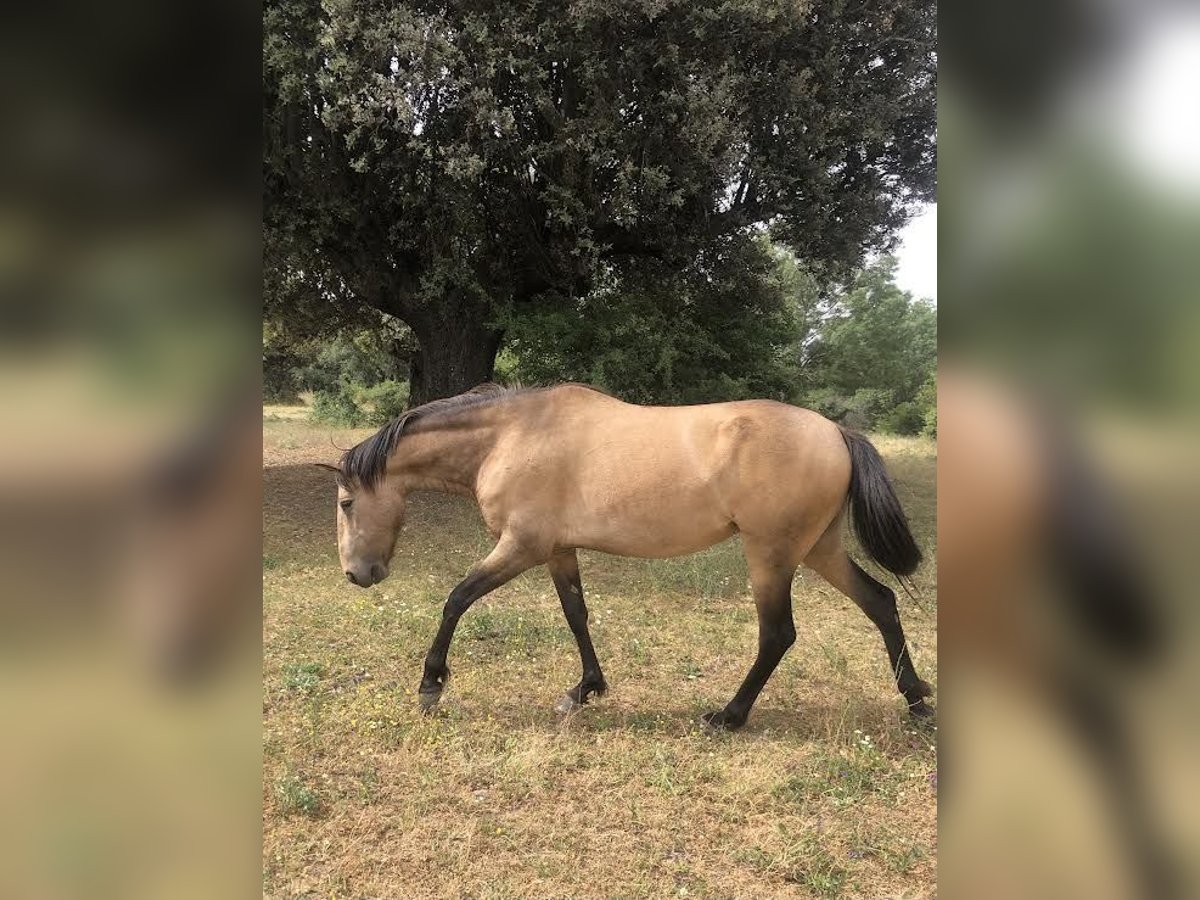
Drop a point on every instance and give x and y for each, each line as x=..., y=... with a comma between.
x=564, y=569
x=771, y=581
x=829, y=559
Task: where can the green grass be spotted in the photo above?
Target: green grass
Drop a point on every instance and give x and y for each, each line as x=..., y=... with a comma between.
x=501, y=797
x=302, y=676
x=843, y=777
x=296, y=798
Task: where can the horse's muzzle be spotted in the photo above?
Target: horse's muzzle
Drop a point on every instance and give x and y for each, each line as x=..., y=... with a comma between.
x=376, y=574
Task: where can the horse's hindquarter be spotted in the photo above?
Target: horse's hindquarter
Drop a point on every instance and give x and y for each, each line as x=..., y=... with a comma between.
x=665, y=481
x=784, y=472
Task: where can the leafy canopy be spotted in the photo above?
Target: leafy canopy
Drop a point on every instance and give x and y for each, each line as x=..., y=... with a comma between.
x=461, y=164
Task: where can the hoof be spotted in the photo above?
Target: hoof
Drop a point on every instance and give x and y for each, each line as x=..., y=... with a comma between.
x=920, y=710
x=429, y=692
x=429, y=699
x=577, y=697
x=718, y=721
x=566, y=705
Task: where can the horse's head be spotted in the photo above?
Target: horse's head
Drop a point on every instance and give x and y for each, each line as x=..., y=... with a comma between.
x=368, y=524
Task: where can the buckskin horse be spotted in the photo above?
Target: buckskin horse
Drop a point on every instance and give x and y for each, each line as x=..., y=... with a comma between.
x=567, y=467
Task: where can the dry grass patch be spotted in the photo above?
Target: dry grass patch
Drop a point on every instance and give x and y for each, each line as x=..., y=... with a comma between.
x=828, y=791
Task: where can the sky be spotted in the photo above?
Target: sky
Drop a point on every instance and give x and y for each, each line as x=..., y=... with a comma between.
x=917, y=255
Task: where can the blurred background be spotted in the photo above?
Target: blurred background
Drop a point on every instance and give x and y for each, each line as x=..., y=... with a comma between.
x=129, y=475
x=1068, y=482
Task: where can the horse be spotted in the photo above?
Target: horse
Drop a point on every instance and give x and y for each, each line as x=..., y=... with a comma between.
x=557, y=469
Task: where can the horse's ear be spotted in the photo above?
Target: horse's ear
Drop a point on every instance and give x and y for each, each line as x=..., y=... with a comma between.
x=327, y=466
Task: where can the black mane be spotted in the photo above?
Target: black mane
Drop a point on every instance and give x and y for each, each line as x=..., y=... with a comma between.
x=366, y=462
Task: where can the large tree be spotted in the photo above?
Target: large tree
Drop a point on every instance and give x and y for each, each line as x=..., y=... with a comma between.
x=453, y=163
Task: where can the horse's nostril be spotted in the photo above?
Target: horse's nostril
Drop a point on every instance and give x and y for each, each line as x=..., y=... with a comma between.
x=350, y=577
x=378, y=573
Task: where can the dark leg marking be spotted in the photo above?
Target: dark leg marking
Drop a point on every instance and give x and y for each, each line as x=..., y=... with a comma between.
x=879, y=603
x=564, y=570
x=776, y=633
x=498, y=568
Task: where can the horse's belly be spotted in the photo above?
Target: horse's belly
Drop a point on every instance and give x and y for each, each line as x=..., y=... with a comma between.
x=652, y=537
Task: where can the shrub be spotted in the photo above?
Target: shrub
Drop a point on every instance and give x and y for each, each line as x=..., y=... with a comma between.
x=381, y=403
x=829, y=403
x=903, y=418
x=927, y=399
x=863, y=410
x=336, y=407
x=368, y=356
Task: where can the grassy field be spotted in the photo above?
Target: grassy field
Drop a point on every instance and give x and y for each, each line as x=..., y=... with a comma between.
x=828, y=791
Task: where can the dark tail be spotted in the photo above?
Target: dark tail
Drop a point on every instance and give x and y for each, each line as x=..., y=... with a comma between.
x=879, y=520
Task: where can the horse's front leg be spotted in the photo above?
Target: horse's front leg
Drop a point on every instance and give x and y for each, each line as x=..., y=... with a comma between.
x=564, y=570
x=508, y=560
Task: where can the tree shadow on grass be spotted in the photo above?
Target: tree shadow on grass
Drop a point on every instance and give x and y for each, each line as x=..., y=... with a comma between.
x=298, y=517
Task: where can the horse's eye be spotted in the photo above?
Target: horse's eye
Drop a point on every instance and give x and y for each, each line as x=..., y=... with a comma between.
x=346, y=503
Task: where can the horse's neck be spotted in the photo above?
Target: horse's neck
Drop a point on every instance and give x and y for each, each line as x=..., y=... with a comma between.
x=443, y=458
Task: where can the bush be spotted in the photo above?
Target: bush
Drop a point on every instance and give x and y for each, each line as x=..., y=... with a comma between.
x=382, y=402
x=355, y=405
x=903, y=418
x=336, y=407
x=367, y=356
x=927, y=399
x=863, y=410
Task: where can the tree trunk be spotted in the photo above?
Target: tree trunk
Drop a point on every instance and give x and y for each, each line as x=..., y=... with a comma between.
x=453, y=357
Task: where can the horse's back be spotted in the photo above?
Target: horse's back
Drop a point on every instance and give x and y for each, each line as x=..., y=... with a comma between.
x=593, y=471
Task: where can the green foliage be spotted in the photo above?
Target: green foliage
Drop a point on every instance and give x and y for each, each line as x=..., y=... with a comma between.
x=507, y=367
x=746, y=320
x=302, y=677
x=363, y=357
x=281, y=359
x=354, y=375
x=719, y=329
x=356, y=405
x=336, y=408
x=279, y=375
x=295, y=362
x=295, y=797
x=906, y=417
x=380, y=403
x=873, y=354
x=927, y=401
x=861, y=409
x=461, y=163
